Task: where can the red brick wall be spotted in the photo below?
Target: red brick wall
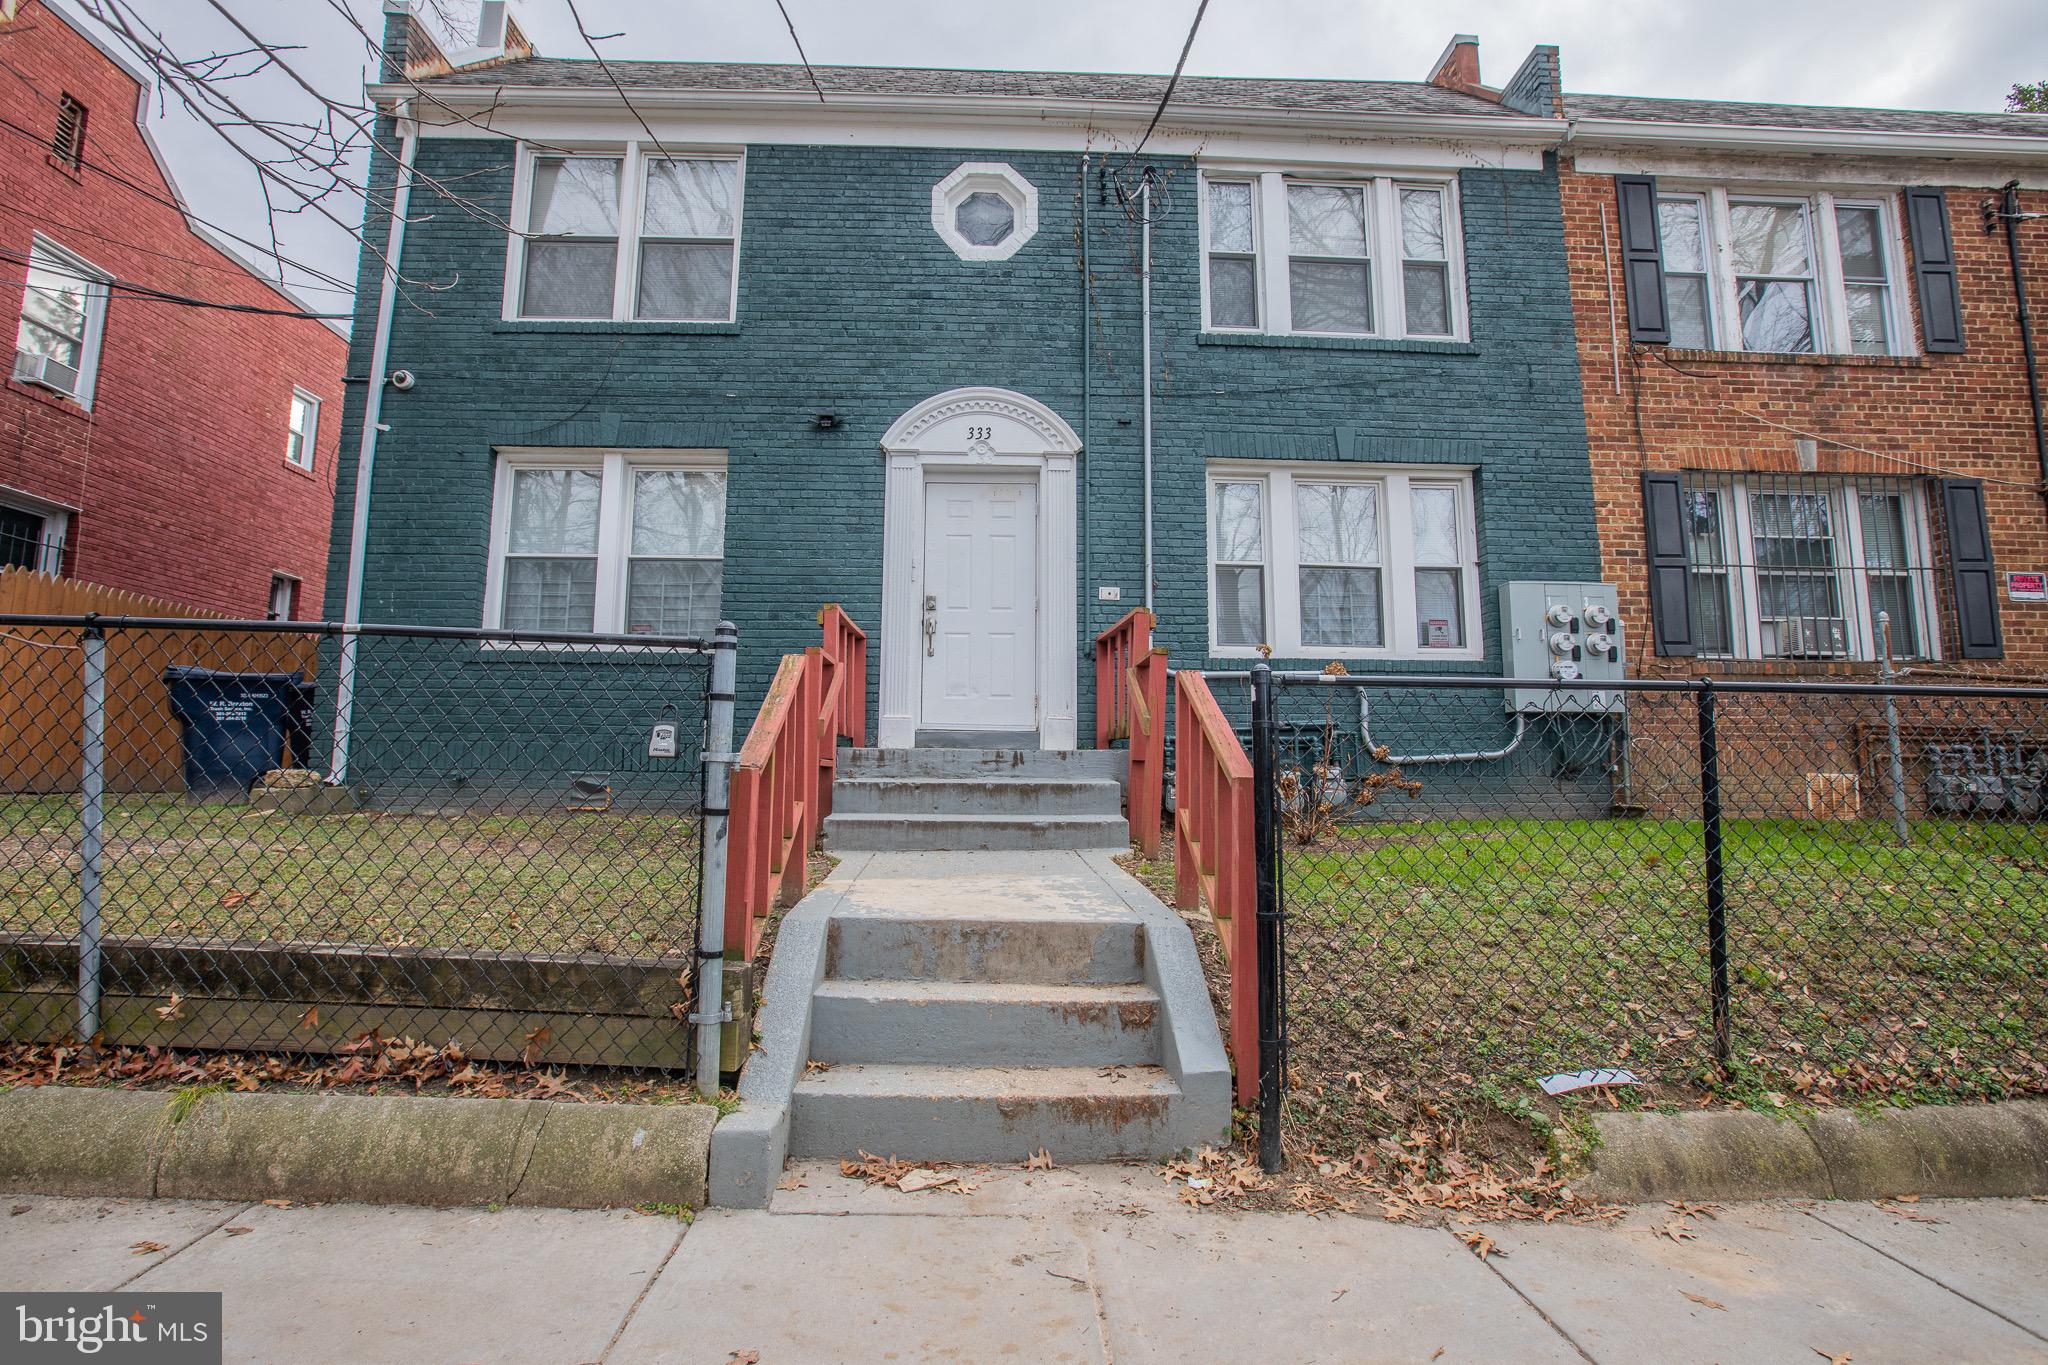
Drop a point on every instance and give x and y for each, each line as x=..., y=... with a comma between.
x=177, y=472
x=1963, y=415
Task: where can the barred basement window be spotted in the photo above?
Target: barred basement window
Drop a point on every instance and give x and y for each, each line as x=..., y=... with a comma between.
x=1801, y=567
x=67, y=143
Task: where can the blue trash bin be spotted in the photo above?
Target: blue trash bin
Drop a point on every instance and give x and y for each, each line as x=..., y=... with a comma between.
x=234, y=725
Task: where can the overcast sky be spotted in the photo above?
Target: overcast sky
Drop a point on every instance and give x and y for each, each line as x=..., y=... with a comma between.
x=1962, y=54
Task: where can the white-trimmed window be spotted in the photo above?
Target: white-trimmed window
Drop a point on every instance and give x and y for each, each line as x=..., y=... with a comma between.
x=1298, y=254
x=1342, y=560
x=632, y=235
x=624, y=544
x=1783, y=274
x=63, y=313
x=302, y=432
x=284, y=597
x=1801, y=567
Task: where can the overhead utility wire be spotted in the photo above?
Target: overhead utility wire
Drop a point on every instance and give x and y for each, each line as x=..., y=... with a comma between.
x=1172, y=81
x=145, y=294
x=791, y=24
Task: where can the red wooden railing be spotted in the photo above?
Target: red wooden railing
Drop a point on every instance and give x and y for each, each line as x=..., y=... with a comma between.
x=1130, y=703
x=782, y=783
x=1213, y=855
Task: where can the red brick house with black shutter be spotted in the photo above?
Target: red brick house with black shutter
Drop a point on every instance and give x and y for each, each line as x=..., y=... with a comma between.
x=147, y=444
x=1806, y=394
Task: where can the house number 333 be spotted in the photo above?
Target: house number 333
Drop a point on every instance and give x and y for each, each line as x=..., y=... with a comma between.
x=981, y=433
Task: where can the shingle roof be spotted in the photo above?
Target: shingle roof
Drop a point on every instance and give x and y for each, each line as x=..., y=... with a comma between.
x=1817, y=117
x=1221, y=92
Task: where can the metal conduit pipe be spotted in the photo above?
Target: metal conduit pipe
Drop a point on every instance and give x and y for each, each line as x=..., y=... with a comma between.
x=1417, y=760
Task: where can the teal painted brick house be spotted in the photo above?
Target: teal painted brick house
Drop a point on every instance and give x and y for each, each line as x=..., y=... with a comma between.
x=720, y=349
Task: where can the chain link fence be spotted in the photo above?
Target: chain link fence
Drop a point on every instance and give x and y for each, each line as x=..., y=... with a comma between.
x=287, y=838
x=1801, y=891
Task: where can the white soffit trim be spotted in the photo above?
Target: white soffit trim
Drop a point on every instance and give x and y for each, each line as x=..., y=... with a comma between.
x=991, y=121
x=1715, y=137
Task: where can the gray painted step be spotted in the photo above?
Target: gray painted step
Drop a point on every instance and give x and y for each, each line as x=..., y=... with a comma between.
x=864, y=833
x=1072, y=764
x=957, y=1113
x=1018, y=951
x=966, y=796
x=980, y=1023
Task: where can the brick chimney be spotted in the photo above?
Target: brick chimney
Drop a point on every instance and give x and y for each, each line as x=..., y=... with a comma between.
x=1458, y=68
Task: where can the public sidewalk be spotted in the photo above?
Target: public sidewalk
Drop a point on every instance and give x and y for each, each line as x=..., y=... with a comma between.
x=1088, y=1265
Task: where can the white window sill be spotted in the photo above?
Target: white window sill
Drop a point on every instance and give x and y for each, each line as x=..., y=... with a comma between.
x=1352, y=656
x=1338, y=341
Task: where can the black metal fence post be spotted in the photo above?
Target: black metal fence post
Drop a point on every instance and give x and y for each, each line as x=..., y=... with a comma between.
x=1717, y=892
x=1266, y=849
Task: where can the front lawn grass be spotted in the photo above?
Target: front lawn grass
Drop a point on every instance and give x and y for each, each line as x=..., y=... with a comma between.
x=1481, y=954
x=535, y=881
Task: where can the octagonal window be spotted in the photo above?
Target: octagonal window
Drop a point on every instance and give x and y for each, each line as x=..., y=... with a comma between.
x=985, y=211
x=985, y=218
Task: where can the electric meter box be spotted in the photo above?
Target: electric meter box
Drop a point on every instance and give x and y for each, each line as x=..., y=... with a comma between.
x=1568, y=631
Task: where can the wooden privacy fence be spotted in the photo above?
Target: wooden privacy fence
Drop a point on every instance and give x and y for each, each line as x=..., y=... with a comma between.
x=782, y=784
x=1130, y=703
x=1214, y=855
x=42, y=683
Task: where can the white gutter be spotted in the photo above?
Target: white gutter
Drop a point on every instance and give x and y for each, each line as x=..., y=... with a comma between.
x=1498, y=129
x=366, y=455
x=1725, y=137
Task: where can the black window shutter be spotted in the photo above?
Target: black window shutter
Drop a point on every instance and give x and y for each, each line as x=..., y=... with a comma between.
x=1642, y=258
x=1971, y=571
x=1670, y=584
x=1934, y=269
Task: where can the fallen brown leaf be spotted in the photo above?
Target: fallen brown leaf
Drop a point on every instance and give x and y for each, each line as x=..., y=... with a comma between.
x=148, y=1248
x=1833, y=1359
x=1041, y=1160
x=237, y=1232
x=174, y=1008
x=18, y=1210
x=1703, y=1300
x=1481, y=1245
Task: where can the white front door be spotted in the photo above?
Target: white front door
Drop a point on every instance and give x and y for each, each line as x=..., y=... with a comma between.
x=980, y=604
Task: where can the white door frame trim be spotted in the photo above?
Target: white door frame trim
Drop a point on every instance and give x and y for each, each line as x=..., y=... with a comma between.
x=987, y=430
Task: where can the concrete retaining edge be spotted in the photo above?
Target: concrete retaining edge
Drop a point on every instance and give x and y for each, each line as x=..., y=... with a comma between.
x=1942, y=1151
x=749, y=1145
x=1192, y=1044
x=374, y=1149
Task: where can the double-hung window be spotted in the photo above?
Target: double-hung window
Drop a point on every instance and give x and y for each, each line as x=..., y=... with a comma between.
x=1362, y=256
x=615, y=543
x=1782, y=274
x=636, y=235
x=1342, y=560
x=63, y=311
x=1806, y=567
x=302, y=430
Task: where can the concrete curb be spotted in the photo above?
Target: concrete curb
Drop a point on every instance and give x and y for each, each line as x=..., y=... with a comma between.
x=377, y=1149
x=749, y=1146
x=1954, y=1152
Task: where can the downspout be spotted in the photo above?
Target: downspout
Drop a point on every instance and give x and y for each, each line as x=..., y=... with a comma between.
x=1145, y=308
x=366, y=455
x=1087, y=396
x=2010, y=211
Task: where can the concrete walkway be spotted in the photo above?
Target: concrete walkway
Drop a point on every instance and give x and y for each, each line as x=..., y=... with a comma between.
x=1096, y=1264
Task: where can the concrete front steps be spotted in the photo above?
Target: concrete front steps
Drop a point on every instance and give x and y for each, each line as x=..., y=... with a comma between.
x=975, y=1007
x=913, y=800
x=984, y=1037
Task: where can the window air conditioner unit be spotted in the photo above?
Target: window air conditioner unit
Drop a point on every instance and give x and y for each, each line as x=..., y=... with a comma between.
x=1805, y=637
x=47, y=371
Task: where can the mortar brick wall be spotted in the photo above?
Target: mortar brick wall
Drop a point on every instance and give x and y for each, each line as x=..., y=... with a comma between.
x=1963, y=415
x=849, y=301
x=176, y=476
